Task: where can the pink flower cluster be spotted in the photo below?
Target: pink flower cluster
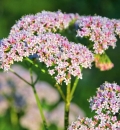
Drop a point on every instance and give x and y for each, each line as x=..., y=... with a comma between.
x=100, y=30
x=107, y=99
x=63, y=58
x=43, y=22
x=33, y=35
x=107, y=106
x=106, y=122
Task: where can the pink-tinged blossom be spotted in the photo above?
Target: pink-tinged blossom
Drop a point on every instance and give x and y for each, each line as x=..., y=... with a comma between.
x=31, y=35
x=99, y=30
x=63, y=58
x=117, y=26
x=106, y=123
x=107, y=99
x=43, y=22
x=106, y=105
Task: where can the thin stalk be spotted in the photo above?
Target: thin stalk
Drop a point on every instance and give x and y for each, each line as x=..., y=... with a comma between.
x=30, y=61
x=74, y=87
x=36, y=65
x=36, y=96
x=40, y=108
x=20, y=77
x=67, y=107
x=38, y=101
x=60, y=91
x=36, y=80
x=13, y=116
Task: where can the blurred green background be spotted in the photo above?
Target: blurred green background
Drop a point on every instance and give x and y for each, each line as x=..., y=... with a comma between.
x=12, y=10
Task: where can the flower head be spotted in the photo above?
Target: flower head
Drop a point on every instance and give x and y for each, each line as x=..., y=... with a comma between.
x=63, y=58
x=99, y=30
x=32, y=34
x=43, y=22
x=106, y=105
x=107, y=99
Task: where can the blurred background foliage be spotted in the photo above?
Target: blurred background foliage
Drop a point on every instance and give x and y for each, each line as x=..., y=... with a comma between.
x=12, y=10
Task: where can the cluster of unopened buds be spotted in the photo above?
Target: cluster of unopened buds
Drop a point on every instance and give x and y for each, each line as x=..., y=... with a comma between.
x=106, y=105
x=38, y=34
x=103, y=62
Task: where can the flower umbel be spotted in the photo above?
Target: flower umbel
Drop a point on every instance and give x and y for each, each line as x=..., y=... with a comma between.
x=107, y=99
x=32, y=34
x=63, y=58
x=100, y=30
x=106, y=105
x=43, y=22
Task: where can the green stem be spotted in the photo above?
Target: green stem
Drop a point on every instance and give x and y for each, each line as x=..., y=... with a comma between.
x=13, y=116
x=40, y=108
x=67, y=107
x=60, y=91
x=19, y=76
x=38, y=101
x=74, y=87
x=36, y=96
x=36, y=65
x=36, y=80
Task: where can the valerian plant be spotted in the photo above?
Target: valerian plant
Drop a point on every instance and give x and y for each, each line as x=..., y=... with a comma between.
x=40, y=36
